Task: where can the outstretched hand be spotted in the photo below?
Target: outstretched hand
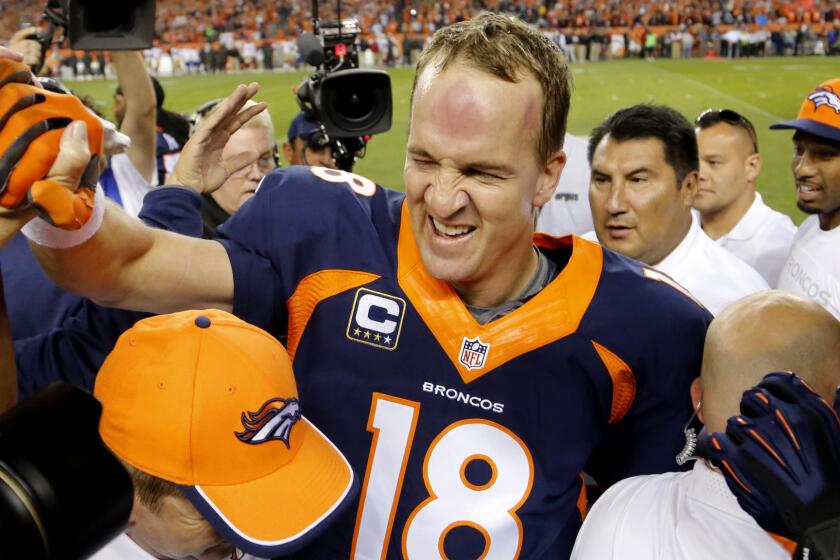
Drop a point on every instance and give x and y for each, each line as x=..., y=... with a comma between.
x=201, y=165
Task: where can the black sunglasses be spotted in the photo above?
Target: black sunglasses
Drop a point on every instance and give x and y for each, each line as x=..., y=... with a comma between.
x=711, y=117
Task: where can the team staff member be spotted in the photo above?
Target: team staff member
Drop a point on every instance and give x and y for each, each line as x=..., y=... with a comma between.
x=306, y=144
x=494, y=366
x=644, y=178
x=813, y=267
x=732, y=213
x=256, y=135
x=568, y=210
x=694, y=516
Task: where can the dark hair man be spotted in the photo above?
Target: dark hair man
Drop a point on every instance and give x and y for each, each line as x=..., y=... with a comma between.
x=732, y=213
x=813, y=267
x=644, y=177
x=306, y=144
x=472, y=369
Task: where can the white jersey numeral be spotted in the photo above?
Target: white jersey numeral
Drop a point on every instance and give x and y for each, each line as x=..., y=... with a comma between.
x=360, y=185
x=454, y=501
x=392, y=422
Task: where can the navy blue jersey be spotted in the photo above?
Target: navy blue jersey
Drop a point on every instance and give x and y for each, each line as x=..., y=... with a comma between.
x=469, y=438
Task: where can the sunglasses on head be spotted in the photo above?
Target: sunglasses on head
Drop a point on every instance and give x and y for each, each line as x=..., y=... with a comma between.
x=711, y=117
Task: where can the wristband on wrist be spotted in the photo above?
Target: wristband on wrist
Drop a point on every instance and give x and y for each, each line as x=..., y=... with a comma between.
x=43, y=233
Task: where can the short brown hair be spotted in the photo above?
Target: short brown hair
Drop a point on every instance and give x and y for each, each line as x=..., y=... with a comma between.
x=151, y=490
x=506, y=48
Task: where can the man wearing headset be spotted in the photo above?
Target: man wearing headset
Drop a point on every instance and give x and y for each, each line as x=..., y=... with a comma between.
x=306, y=144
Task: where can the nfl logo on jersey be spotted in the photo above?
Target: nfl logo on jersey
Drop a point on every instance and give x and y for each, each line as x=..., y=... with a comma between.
x=376, y=319
x=473, y=353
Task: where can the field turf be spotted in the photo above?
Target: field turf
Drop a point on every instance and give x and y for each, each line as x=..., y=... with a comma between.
x=765, y=90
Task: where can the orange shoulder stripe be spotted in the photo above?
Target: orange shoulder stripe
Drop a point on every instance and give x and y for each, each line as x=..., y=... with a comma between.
x=623, y=380
x=314, y=289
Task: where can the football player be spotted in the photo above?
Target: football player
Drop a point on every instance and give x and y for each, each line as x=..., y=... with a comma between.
x=470, y=369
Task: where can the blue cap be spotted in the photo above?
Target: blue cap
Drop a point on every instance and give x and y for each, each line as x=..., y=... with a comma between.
x=301, y=126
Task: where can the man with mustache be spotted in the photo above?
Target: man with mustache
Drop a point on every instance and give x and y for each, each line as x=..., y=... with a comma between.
x=644, y=178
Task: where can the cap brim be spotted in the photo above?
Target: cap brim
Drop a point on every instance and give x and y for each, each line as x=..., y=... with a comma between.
x=283, y=511
x=811, y=127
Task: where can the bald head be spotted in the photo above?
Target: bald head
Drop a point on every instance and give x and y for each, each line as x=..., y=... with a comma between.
x=764, y=332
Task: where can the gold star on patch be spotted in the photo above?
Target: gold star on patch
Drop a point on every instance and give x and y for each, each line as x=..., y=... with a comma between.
x=376, y=337
x=357, y=331
x=367, y=334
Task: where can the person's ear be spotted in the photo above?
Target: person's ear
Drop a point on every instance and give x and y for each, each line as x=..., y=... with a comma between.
x=288, y=152
x=549, y=178
x=689, y=188
x=753, y=167
x=697, y=397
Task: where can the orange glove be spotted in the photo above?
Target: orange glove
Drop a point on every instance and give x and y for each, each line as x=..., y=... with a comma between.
x=31, y=123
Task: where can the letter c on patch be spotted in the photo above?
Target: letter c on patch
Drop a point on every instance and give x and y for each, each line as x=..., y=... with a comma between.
x=368, y=301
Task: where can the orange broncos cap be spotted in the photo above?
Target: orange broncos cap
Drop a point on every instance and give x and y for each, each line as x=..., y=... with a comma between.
x=820, y=112
x=209, y=402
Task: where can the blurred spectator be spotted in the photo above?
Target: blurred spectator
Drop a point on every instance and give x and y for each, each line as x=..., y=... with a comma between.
x=644, y=177
x=568, y=210
x=256, y=135
x=172, y=132
x=306, y=144
x=732, y=213
x=393, y=31
x=813, y=267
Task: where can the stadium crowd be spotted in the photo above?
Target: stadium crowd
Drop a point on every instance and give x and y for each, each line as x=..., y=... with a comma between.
x=548, y=365
x=221, y=35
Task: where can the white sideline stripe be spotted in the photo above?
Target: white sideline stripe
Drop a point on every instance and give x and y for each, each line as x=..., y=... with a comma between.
x=730, y=98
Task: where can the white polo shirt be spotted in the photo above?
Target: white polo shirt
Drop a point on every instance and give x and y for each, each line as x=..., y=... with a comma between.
x=673, y=516
x=568, y=210
x=762, y=239
x=713, y=275
x=813, y=267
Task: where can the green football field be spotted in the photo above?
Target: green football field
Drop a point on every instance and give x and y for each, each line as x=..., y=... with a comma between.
x=765, y=90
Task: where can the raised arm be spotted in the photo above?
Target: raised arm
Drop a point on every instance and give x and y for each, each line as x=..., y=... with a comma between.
x=139, y=120
x=127, y=264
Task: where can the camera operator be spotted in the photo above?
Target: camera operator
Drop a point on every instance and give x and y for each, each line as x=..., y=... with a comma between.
x=306, y=144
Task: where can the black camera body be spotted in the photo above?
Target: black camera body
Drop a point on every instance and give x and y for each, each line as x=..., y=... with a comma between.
x=350, y=103
x=93, y=25
x=63, y=495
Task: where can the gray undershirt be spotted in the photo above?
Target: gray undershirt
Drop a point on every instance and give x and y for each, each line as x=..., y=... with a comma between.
x=547, y=270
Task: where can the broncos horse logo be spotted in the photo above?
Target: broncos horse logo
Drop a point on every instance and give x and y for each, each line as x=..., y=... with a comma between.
x=826, y=96
x=274, y=420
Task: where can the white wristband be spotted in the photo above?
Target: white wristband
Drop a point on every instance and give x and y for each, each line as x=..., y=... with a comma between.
x=44, y=233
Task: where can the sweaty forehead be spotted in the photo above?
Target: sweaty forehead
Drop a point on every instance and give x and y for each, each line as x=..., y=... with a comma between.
x=465, y=103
